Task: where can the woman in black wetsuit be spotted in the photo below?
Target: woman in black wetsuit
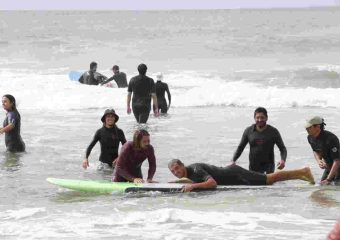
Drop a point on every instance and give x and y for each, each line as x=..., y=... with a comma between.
x=109, y=137
x=11, y=125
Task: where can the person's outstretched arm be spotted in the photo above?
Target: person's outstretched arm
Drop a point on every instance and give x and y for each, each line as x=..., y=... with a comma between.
x=241, y=146
x=169, y=95
x=209, y=183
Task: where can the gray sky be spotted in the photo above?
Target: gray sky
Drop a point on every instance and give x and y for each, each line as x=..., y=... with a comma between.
x=158, y=4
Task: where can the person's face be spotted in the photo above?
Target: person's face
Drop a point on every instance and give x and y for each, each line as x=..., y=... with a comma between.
x=6, y=104
x=110, y=119
x=115, y=71
x=260, y=119
x=145, y=141
x=313, y=130
x=177, y=170
x=94, y=69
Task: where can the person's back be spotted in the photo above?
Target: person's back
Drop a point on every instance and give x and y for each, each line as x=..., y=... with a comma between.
x=120, y=79
x=92, y=77
x=161, y=88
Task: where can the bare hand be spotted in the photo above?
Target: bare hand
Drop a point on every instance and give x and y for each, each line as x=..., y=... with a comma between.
x=156, y=112
x=138, y=180
x=322, y=164
x=325, y=182
x=86, y=164
x=281, y=164
x=187, y=188
x=128, y=110
x=232, y=163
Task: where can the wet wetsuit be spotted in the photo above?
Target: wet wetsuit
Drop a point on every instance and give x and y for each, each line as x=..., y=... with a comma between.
x=13, y=140
x=161, y=88
x=142, y=87
x=261, y=154
x=109, y=139
x=230, y=175
x=91, y=78
x=327, y=145
x=130, y=161
x=120, y=79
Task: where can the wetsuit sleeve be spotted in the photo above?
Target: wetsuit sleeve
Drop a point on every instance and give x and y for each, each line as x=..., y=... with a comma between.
x=241, y=146
x=122, y=164
x=168, y=92
x=81, y=79
x=152, y=163
x=334, y=148
x=130, y=86
x=122, y=138
x=281, y=146
x=200, y=175
x=93, y=142
x=12, y=118
x=153, y=86
x=107, y=80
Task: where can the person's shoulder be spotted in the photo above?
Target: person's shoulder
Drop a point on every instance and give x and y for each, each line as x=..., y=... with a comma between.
x=272, y=128
x=250, y=128
x=331, y=136
x=120, y=130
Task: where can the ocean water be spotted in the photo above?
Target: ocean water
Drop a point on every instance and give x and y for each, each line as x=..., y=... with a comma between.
x=220, y=65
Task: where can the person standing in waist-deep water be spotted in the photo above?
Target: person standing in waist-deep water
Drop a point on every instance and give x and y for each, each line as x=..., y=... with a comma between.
x=161, y=88
x=143, y=89
x=119, y=77
x=261, y=138
x=133, y=154
x=12, y=125
x=109, y=137
x=206, y=176
x=92, y=77
x=325, y=147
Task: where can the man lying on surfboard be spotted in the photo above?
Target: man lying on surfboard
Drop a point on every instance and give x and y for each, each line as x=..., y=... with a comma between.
x=206, y=176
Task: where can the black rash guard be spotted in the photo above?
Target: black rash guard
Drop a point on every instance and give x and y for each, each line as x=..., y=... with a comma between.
x=109, y=139
x=230, y=175
x=161, y=88
x=13, y=140
x=120, y=79
x=261, y=154
x=327, y=145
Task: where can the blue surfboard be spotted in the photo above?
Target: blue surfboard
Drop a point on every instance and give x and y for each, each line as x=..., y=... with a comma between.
x=74, y=75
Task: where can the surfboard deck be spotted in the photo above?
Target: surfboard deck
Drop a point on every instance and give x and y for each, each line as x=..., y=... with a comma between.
x=107, y=187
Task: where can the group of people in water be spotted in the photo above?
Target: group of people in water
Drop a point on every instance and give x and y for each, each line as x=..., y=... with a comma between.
x=126, y=165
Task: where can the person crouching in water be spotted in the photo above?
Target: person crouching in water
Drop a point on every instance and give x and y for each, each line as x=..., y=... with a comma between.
x=133, y=154
x=109, y=137
x=11, y=126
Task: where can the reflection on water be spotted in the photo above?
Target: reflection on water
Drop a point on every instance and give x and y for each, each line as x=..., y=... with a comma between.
x=10, y=161
x=325, y=197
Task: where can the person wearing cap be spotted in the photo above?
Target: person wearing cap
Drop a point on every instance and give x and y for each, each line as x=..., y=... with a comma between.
x=92, y=77
x=119, y=77
x=161, y=88
x=261, y=138
x=109, y=137
x=11, y=125
x=325, y=146
x=130, y=160
x=142, y=89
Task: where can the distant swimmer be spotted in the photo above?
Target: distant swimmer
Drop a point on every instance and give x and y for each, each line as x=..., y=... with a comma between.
x=205, y=176
x=161, y=88
x=142, y=88
x=133, y=154
x=119, y=77
x=109, y=137
x=12, y=125
x=325, y=146
x=92, y=77
x=261, y=138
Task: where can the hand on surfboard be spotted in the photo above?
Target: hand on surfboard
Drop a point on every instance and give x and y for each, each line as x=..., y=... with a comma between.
x=281, y=164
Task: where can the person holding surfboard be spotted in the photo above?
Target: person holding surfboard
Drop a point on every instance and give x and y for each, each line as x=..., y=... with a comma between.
x=325, y=146
x=92, y=77
x=205, y=176
x=133, y=154
x=143, y=89
x=109, y=137
x=119, y=77
x=261, y=138
x=12, y=125
x=161, y=88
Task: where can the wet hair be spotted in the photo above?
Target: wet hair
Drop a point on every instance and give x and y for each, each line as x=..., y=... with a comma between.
x=260, y=110
x=115, y=67
x=93, y=64
x=175, y=161
x=12, y=100
x=322, y=125
x=142, y=68
x=137, y=137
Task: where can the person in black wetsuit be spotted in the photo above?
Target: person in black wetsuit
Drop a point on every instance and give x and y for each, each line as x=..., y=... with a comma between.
x=12, y=125
x=325, y=147
x=109, y=137
x=143, y=89
x=205, y=176
x=161, y=88
x=92, y=77
x=119, y=77
x=262, y=138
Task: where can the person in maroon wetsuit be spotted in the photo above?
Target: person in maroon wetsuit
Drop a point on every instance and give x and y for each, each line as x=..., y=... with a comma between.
x=133, y=154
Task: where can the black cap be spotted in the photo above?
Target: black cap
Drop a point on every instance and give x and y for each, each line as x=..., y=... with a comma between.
x=110, y=111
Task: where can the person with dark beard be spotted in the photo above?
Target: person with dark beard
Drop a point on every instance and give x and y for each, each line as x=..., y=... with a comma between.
x=261, y=138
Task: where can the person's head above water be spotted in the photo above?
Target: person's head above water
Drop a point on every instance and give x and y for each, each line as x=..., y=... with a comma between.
x=8, y=102
x=142, y=68
x=141, y=139
x=115, y=69
x=109, y=113
x=177, y=168
x=93, y=66
x=261, y=117
x=159, y=76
